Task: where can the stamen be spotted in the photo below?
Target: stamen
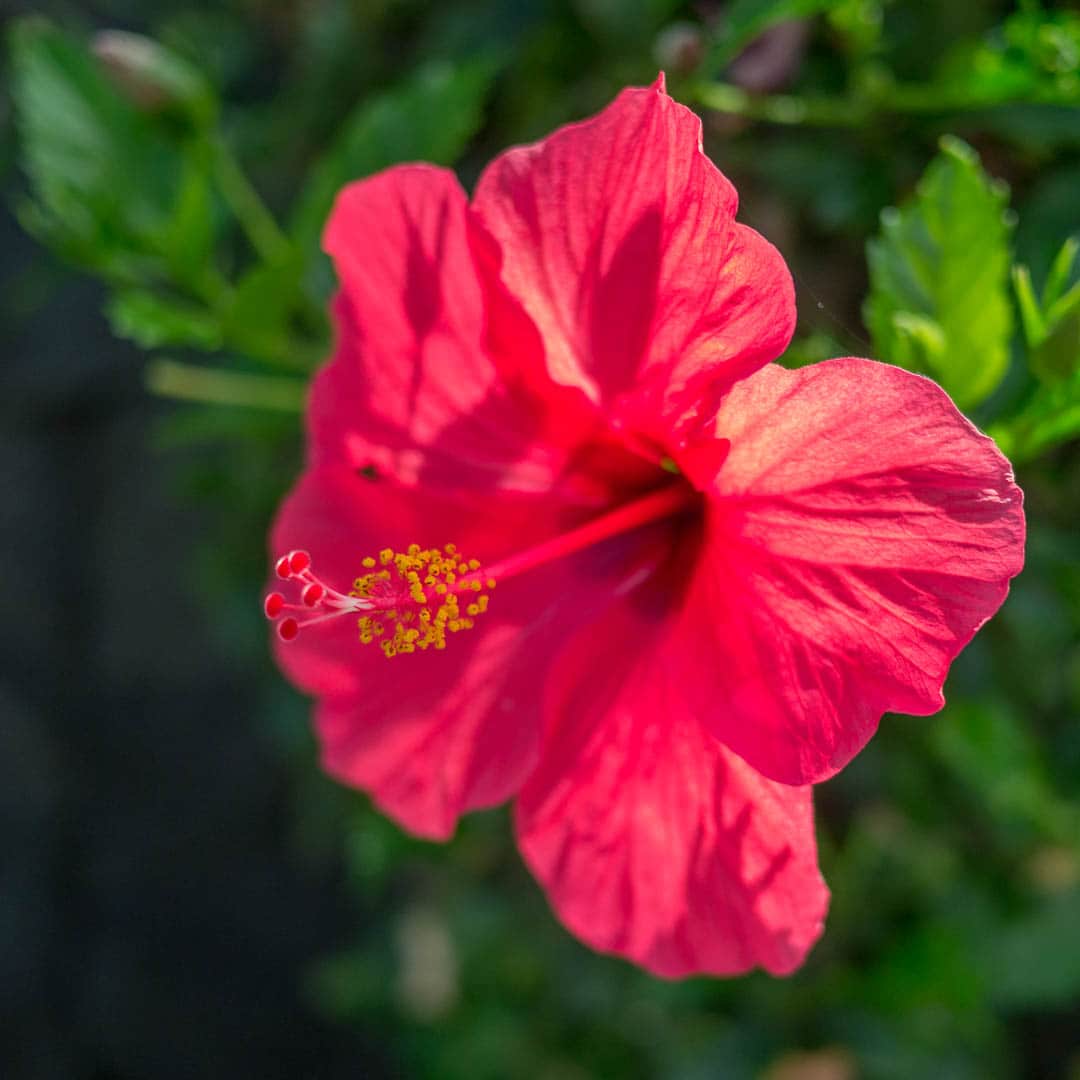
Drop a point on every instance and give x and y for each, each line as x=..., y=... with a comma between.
x=406, y=600
x=409, y=601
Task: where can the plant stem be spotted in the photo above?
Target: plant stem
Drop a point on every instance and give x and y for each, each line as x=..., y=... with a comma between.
x=781, y=108
x=216, y=386
x=790, y=109
x=263, y=232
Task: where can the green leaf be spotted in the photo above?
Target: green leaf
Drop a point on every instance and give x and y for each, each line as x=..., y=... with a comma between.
x=1032, y=56
x=938, y=299
x=1035, y=960
x=994, y=753
x=431, y=116
x=1058, y=355
x=927, y=966
x=1031, y=317
x=105, y=179
x=189, y=235
x=1060, y=271
x=1052, y=324
x=259, y=318
x=152, y=321
x=1051, y=416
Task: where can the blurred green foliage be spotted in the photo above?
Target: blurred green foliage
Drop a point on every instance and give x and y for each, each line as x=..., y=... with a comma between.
x=194, y=185
x=938, y=300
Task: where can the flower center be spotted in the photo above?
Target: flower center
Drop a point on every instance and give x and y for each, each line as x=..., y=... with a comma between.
x=411, y=600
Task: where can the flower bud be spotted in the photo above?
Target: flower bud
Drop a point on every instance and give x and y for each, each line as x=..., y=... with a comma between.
x=151, y=76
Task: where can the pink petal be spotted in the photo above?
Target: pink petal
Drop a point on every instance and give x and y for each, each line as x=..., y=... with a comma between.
x=861, y=531
x=434, y=734
x=654, y=841
x=411, y=390
x=615, y=266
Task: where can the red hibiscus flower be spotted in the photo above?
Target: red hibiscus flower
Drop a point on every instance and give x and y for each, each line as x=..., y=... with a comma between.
x=711, y=575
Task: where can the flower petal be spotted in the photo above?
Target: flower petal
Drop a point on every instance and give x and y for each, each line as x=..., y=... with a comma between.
x=861, y=532
x=616, y=237
x=437, y=733
x=411, y=390
x=652, y=839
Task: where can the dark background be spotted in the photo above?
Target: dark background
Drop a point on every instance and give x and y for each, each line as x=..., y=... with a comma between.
x=155, y=920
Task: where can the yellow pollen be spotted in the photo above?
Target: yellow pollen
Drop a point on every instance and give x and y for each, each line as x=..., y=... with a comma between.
x=414, y=597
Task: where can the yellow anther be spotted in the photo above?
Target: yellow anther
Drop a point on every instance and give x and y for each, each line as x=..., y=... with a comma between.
x=490, y=583
x=399, y=586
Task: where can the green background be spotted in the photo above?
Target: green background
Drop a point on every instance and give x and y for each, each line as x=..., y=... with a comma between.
x=184, y=893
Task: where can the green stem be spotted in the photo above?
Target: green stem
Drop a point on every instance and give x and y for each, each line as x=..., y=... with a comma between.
x=790, y=109
x=294, y=355
x=255, y=219
x=216, y=386
x=781, y=108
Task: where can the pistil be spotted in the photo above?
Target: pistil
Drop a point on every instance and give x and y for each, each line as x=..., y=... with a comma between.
x=657, y=505
x=411, y=600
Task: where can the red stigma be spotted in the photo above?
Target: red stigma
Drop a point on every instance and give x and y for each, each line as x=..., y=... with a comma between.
x=312, y=600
